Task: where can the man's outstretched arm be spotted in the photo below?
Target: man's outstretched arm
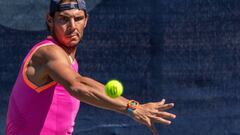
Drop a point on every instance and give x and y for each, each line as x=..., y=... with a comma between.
x=92, y=92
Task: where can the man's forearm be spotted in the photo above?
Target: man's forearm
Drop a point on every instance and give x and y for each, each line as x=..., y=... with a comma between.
x=93, y=92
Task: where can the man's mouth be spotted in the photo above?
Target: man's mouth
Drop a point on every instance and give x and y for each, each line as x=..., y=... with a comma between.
x=71, y=35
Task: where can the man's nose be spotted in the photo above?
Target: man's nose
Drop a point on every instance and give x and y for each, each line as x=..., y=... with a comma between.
x=72, y=24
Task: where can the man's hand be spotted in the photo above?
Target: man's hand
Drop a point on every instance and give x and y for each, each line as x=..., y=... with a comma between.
x=154, y=112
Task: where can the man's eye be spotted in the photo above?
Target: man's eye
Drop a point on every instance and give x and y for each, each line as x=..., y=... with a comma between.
x=63, y=20
x=78, y=19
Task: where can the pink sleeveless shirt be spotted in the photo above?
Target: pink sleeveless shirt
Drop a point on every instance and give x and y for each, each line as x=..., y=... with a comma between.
x=45, y=110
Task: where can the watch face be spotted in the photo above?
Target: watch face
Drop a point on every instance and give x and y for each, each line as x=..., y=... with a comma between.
x=133, y=104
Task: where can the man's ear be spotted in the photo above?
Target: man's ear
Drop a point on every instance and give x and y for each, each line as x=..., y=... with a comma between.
x=86, y=21
x=49, y=21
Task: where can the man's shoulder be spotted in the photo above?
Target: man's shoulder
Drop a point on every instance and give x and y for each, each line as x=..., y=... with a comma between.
x=50, y=52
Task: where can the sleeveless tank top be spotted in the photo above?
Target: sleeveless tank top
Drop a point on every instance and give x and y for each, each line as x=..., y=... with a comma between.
x=45, y=110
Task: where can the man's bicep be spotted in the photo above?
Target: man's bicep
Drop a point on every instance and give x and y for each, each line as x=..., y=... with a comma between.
x=62, y=73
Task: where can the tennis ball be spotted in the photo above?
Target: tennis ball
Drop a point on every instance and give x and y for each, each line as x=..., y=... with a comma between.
x=114, y=88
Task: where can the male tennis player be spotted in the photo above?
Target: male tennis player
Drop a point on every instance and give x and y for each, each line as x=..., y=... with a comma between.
x=47, y=93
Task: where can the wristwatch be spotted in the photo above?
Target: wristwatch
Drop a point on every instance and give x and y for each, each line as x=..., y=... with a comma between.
x=132, y=105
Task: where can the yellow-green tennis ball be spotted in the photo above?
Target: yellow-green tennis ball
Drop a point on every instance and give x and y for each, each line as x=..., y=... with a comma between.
x=114, y=88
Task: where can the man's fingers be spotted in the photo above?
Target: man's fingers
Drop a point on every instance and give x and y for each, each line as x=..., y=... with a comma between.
x=162, y=102
x=166, y=115
x=161, y=120
x=166, y=106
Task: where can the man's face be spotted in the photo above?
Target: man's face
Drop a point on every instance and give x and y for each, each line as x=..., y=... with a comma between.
x=68, y=26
